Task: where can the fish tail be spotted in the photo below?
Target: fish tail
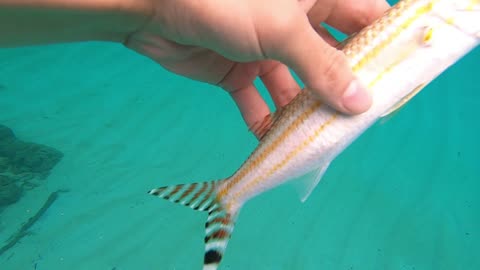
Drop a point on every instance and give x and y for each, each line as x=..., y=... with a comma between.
x=220, y=222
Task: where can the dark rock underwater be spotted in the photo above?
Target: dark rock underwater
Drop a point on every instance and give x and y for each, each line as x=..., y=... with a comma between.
x=23, y=165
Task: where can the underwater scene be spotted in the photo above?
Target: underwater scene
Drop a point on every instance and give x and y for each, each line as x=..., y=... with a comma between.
x=87, y=129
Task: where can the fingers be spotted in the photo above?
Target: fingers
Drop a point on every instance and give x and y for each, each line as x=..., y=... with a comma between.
x=239, y=83
x=252, y=106
x=350, y=16
x=277, y=79
x=279, y=82
x=306, y=5
x=275, y=76
x=326, y=35
x=322, y=68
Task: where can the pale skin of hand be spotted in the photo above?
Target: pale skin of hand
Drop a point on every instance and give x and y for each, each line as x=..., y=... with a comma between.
x=227, y=43
x=230, y=43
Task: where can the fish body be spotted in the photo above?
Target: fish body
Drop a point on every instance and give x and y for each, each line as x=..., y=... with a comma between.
x=395, y=57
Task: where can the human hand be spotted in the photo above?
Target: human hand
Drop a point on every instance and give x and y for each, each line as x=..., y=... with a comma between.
x=230, y=43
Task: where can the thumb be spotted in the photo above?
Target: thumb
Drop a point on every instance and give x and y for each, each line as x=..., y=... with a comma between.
x=323, y=69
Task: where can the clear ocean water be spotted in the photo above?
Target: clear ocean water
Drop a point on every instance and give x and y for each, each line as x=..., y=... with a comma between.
x=405, y=195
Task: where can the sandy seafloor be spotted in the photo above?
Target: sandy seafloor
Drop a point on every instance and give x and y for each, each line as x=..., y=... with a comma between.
x=405, y=195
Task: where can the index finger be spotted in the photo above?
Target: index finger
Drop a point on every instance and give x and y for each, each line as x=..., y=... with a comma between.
x=350, y=16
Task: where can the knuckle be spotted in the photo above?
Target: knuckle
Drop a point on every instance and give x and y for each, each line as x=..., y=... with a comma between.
x=283, y=23
x=366, y=14
x=277, y=31
x=365, y=18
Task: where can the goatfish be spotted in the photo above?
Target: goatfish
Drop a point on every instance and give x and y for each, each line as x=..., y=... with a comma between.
x=396, y=57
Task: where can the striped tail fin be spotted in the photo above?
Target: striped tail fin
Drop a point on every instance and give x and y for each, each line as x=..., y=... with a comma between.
x=220, y=223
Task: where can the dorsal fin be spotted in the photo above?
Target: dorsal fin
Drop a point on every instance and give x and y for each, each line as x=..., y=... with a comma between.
x=342, y=44
x=260, y=128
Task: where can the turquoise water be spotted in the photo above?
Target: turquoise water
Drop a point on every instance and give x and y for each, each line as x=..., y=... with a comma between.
x=404, y=196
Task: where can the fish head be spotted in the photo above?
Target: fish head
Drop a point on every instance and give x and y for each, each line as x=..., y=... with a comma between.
x=461, y=14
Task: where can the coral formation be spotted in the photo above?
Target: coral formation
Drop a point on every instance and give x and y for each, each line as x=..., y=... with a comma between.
x=22, y=165
x=9, y=191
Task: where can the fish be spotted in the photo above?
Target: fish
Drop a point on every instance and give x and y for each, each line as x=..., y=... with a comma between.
x=395, y=57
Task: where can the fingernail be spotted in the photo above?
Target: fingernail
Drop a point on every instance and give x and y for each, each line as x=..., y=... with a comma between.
x=356, y=98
